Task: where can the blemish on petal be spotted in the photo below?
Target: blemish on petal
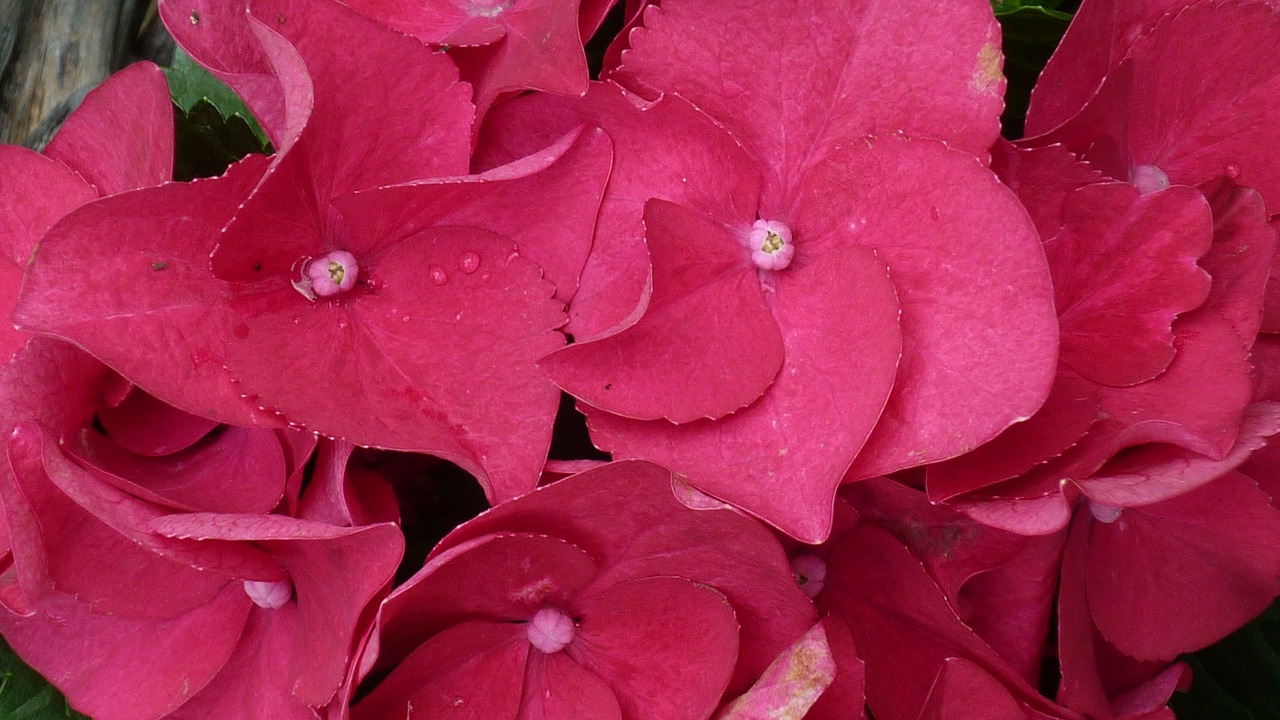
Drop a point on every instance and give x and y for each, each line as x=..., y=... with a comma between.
x=469, y=262
x=810, y=572
x=550, y=630
x=771, y=245
x=987, y=75
x=194, y=17
x=1148, y=179
x=269, y=595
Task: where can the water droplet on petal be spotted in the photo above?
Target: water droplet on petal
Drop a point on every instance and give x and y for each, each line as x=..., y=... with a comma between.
x=437, y=275
x=1232, y=170
x=1104, y=513
x=297, y=319
x=1148, y=178
x=469, y=262
x=550, y=630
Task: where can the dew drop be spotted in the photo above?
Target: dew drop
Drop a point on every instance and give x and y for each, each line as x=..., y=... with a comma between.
x=934, y=214
x=1232, y=170
x=297, y=319
x=437, y=275
x=469, y=262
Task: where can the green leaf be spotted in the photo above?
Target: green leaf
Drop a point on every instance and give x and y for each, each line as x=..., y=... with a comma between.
x=206, y=142
x=189, y=84
x=1031, y=33
x=24, y=695
x=1239, y=677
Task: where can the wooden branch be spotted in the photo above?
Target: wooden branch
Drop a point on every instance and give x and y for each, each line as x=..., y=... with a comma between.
x=54, y=51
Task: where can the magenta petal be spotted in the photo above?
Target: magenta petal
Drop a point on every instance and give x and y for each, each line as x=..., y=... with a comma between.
x=557, y=688
x=1140, y=115
x=121, y=136
x=145, y=302
x=1124, y=266
x=473, y=671
x=504, y=578
x=707, y=344
x=791, y=684
x=118, y=669
x=34, y=192
x=1067, y=414
x=217, y=34
x=45, y=368
x=979, y=331
x=238, y=470
x=666, y=149
x=144, y=425
x=1157, y=472
x=658, y=536
x=1148, y=569
x=964, y=691
x=1242, y=258
x=869, y=67
x=439, y=21
x=251, y=685
x=428, y=353
x=545, y=202
x=1042, y=178
x=1100, y=34
x=841, y=342
x=666, y=645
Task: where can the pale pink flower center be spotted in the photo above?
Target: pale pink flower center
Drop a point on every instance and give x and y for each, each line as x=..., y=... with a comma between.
x=334, y=273
x=1148, y=179
x=810, y=572
x=1104, y=513
x=269, y=595
x=770, y=244
x=550, y=630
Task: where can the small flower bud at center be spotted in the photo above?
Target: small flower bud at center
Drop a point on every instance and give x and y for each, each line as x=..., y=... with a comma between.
x=550, y=630
x=269, y=595
x=810, y=573
x=334, y=273
x=770, y=245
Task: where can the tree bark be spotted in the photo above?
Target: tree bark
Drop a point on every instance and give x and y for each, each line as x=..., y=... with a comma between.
x=52, y=52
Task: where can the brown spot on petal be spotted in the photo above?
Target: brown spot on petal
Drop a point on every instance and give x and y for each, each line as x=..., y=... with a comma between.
x=987, y=75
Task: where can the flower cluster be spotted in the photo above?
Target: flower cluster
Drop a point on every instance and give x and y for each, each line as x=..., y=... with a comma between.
x=901, y=414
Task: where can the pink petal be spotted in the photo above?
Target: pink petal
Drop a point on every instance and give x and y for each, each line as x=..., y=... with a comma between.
x=1042, y=178
x=250, y=685
x=504, y=578
x=868, y=67
x=120, y=669
x=706, y=346
x=1124, y=266
x=838, y=314
x=349, y=497
x=45, y=368
x=473, y=671
x=542, y=50
x=658, y=536
x=143, y=258
x=486, y=330
x=791, y=684
x=439, y=22
x=557, y=688
x=239, y=470
x=845, y=697
x=666, y=149
x=1140, y=115
x=1158, y=472
x=979, y=333
x=143, y=425
x=1067, y=414
x=121, y=136
x=1241, y=259
x=220, y=36
x=526, y=201
x=1099, y=37
x=665, y=645
x=964, y=691
x=34, y=193
x=1148, y=570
